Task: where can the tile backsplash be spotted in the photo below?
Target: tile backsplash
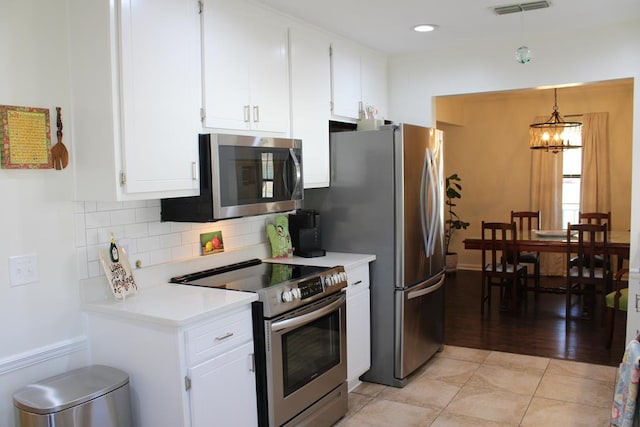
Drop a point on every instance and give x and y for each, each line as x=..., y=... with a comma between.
x=136, y=226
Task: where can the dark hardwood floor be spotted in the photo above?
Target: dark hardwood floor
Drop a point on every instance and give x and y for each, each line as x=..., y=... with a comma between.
x=537, y=330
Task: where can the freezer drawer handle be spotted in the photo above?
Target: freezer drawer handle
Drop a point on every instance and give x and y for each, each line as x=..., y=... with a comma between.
x=425, y=291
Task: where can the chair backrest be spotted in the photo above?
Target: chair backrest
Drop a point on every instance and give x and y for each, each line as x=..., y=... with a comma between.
x=499, y=240
x=595, y=218
x=586, y=242
x=526, y=221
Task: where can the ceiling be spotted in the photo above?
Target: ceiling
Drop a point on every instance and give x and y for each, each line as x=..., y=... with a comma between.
x=387, y=25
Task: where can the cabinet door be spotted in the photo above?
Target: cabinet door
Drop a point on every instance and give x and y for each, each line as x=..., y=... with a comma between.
x=161, y=94
x=226, y=66
x=310, y=98
x=246, y=84
x=345, y=78
x=268, y=73
x=223, y=390
x=373, y=75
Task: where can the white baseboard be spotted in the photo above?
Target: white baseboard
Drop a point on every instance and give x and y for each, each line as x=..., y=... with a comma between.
x=472, y=267
x=39, y=355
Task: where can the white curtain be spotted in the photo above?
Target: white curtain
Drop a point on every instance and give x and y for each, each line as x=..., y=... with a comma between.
x=595, y=191
x=546, y=196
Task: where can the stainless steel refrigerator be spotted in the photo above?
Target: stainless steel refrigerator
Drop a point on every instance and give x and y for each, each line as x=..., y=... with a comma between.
x=387, y=198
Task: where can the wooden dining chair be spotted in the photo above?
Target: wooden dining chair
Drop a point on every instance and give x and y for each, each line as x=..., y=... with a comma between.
x=617, y=300
x=595, y=218
x=500, y=265
x=585, y=278
x=526, y=222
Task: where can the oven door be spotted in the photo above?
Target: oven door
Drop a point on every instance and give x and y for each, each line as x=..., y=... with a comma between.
x=306, y=356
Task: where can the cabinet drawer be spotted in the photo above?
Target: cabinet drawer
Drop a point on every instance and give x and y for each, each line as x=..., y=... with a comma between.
x=218, y=336
x=358, y=278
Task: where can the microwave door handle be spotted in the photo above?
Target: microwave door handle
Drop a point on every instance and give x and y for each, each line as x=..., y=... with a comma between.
x=298, y=172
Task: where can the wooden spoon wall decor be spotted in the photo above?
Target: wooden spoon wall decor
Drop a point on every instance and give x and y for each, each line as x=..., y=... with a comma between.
x=59, y=152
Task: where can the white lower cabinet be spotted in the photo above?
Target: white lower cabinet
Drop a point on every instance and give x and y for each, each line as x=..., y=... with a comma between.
x=223, y=389
x=195, y=375
x=358, y=324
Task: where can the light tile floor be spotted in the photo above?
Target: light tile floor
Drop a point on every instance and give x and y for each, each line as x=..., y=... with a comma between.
x=470, y=387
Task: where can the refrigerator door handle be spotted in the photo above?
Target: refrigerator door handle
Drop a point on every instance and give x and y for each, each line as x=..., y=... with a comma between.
x=434, y=206
x=423, y=202
x=428, y=219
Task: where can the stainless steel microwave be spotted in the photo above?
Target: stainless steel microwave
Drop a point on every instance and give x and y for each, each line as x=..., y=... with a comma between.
x=241, y=176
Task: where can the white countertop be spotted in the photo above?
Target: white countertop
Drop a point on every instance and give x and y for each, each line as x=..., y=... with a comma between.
x=173, y=305
x=331, y=259
x=177, y=305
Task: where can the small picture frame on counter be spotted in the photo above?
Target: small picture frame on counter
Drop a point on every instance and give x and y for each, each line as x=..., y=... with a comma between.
x=211, y=243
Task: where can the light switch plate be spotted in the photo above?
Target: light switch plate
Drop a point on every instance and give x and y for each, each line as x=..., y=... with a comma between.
x=23, y=269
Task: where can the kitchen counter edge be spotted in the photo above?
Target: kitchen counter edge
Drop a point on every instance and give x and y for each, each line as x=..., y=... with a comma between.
x=173, y=305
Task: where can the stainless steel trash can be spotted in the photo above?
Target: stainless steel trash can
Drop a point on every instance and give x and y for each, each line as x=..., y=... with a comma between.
x=93, y=396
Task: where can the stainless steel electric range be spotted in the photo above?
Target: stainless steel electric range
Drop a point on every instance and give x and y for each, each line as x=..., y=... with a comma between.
x=299, y=337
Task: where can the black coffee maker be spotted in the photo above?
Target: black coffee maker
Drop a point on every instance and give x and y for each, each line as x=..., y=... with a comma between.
x=304, y=228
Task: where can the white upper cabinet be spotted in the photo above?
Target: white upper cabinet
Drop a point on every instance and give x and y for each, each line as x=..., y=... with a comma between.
x=359, y=80
x=137, y=94
x=246, y=68
x=373, y=81
x=310, y=101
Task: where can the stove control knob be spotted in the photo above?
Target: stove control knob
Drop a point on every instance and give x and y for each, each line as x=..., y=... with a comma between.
x=296, y=293
x=287, y=296
x=343, y=276
x=327, y=280
x=333, y=279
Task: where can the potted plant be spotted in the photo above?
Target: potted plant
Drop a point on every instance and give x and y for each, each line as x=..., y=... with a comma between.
x=453, y=222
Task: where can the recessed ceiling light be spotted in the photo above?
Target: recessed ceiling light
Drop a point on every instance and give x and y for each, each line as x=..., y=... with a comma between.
x=425, y=28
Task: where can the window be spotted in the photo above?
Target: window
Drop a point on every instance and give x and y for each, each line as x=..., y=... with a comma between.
x=571, y=176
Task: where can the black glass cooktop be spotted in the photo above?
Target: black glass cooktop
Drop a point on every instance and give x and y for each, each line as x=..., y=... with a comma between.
x=250, y=276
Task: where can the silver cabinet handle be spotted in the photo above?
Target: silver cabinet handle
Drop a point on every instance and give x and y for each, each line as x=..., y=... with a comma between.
x=256, y=113
x=356, y=283
x=194, y=171
x=246, y=114
x=224, y=337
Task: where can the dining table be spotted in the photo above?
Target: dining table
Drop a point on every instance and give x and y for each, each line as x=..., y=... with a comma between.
x=556, y=241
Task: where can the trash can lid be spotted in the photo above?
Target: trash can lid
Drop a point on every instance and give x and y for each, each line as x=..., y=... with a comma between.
x=69, y=389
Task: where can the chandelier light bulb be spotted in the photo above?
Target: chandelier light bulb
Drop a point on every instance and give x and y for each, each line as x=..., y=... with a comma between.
x=523, y=55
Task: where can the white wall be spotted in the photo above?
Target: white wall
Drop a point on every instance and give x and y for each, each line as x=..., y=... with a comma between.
x=559, y=59
x=42, y=323
x=42, y=332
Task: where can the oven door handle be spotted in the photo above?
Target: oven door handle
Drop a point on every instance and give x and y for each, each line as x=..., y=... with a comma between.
x=308, y=317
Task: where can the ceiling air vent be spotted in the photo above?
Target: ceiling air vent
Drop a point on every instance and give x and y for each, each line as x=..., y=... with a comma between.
x=521, y=7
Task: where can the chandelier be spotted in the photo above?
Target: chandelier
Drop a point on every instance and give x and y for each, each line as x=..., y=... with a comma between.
x=555, y=134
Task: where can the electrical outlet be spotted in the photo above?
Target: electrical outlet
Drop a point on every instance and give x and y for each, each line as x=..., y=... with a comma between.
x=23, y=269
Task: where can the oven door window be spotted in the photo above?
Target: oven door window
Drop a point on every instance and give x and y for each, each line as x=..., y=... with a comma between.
x=309, y=351
x=250, y=175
